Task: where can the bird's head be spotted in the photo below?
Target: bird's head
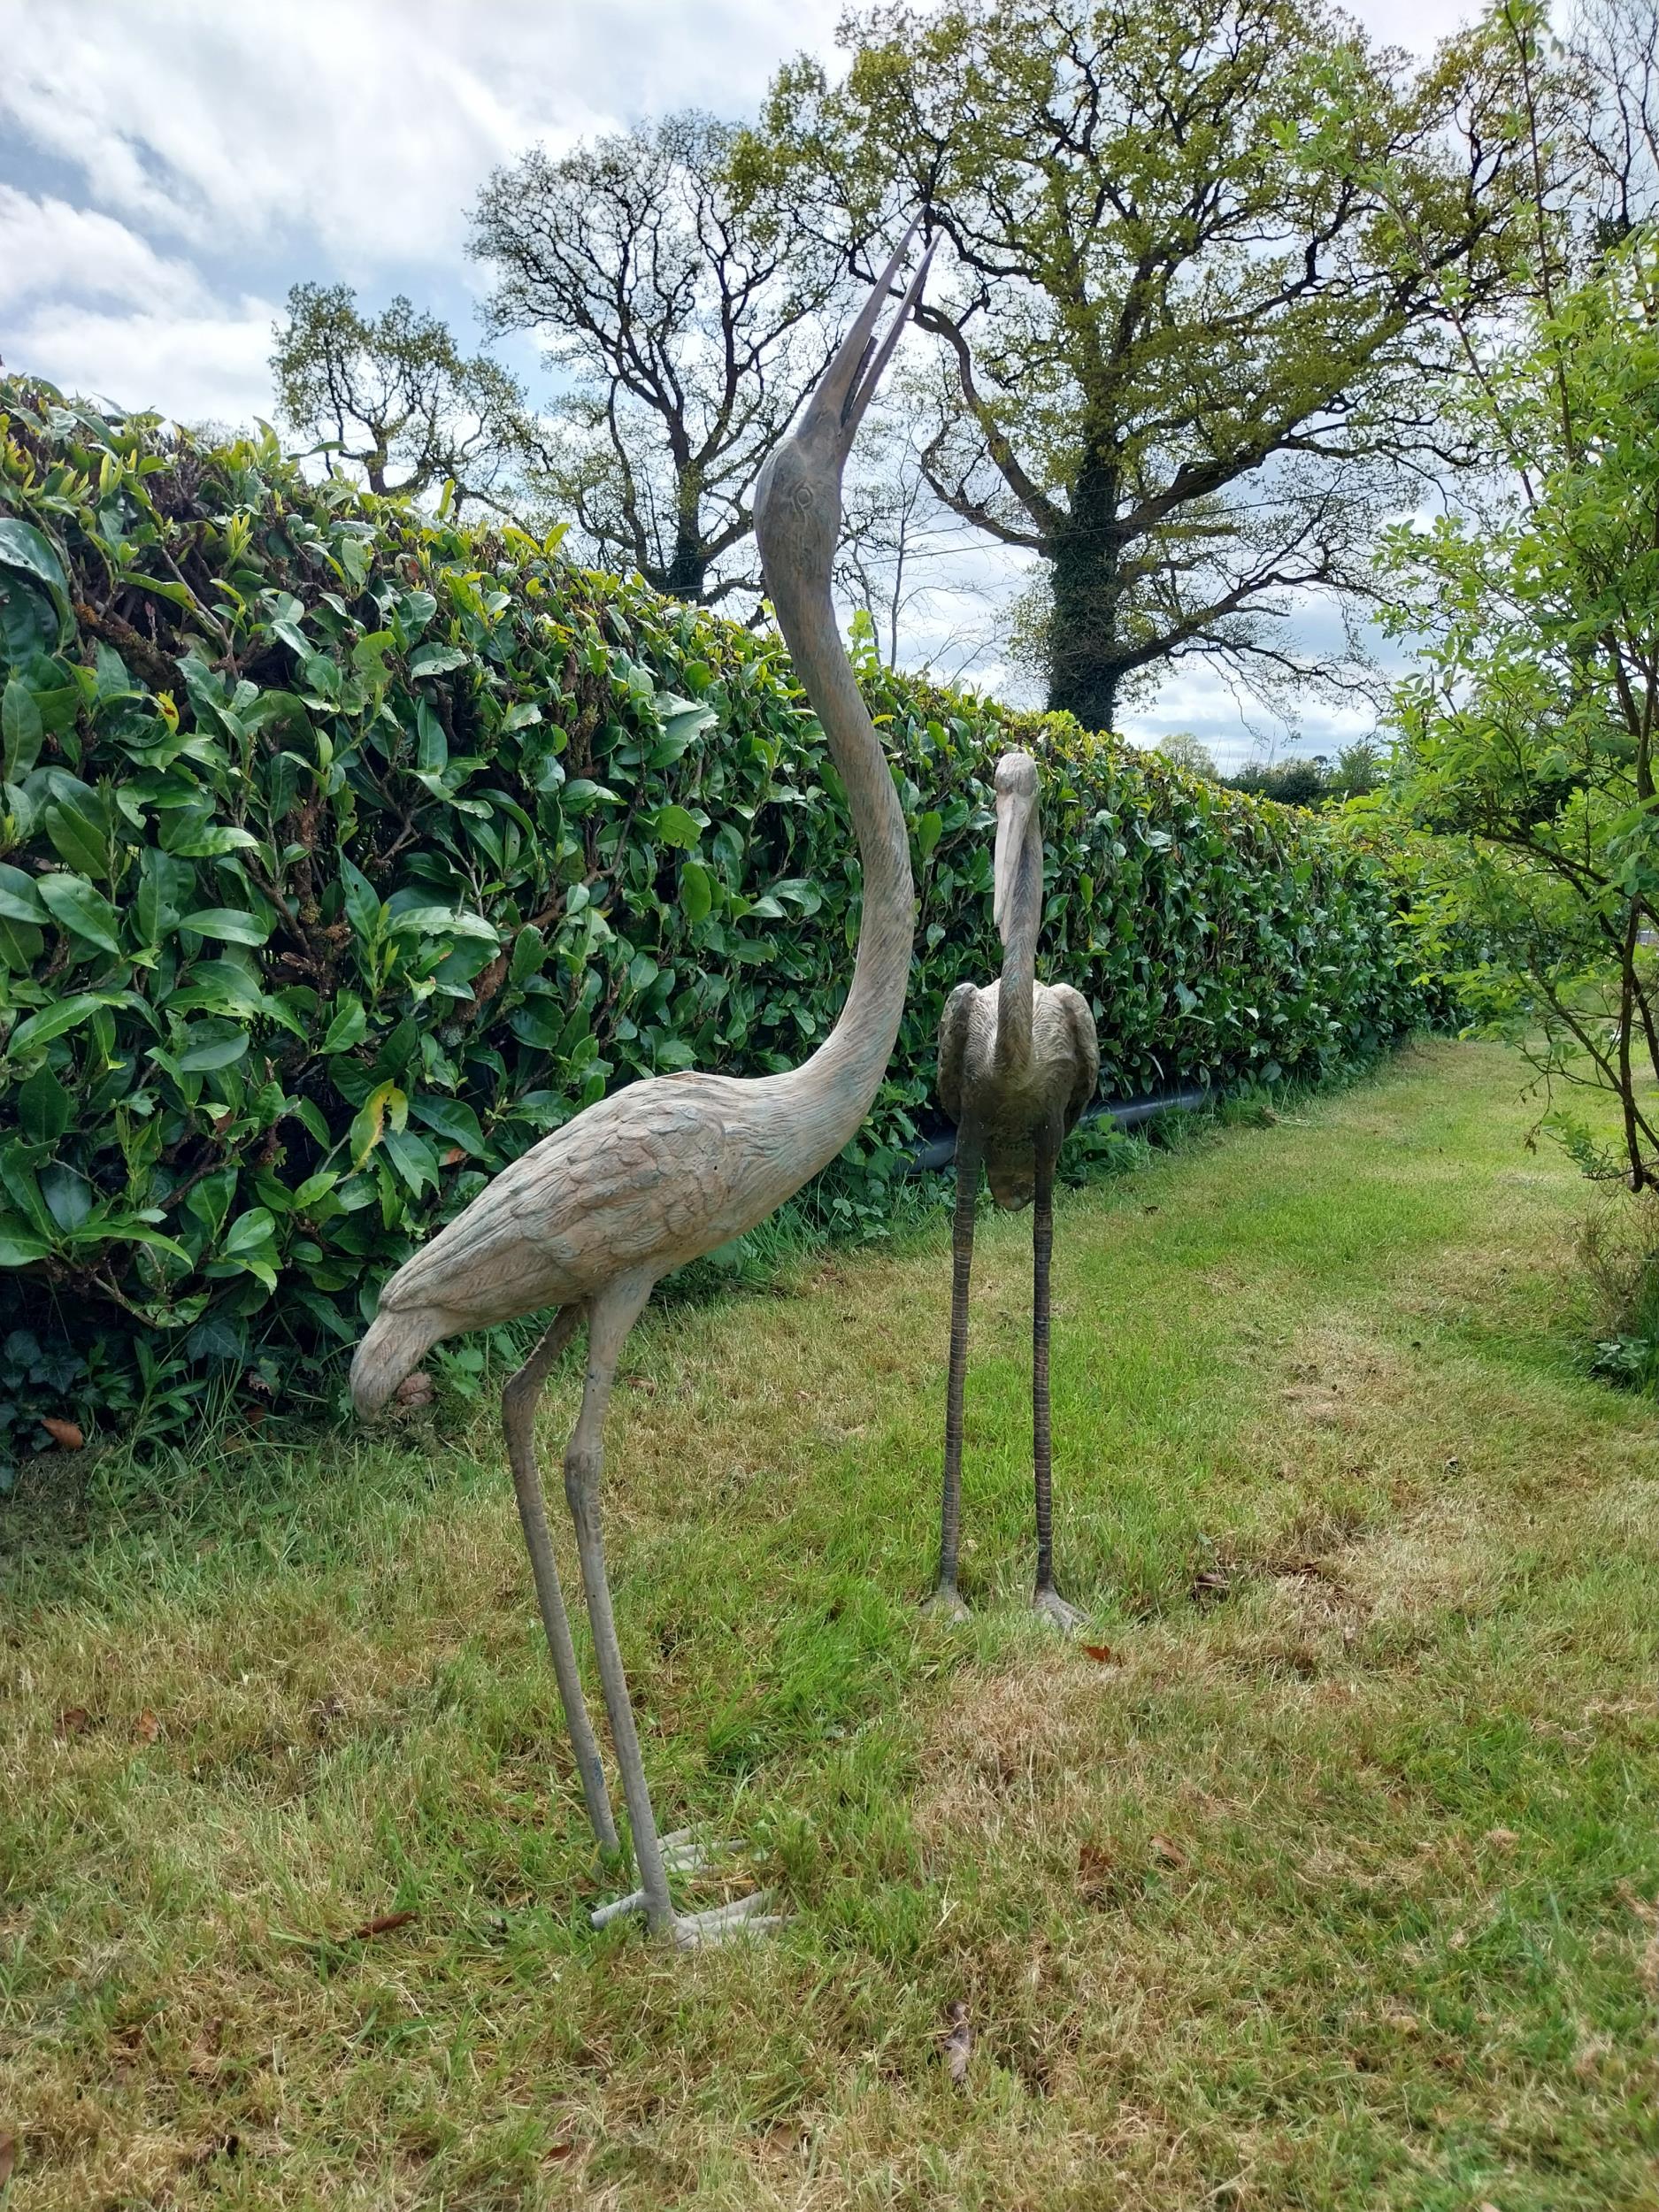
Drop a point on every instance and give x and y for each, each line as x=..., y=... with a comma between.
x=1015, y=821
x=798, y=493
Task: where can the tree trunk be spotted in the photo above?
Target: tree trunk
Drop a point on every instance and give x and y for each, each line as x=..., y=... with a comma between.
x=687, y=573
x=1085, y=667
x=688, y=570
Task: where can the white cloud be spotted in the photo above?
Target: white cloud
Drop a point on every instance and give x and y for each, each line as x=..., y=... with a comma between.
x=287, y=139
x=199, y=366
x=368, y=127
x=49, y=247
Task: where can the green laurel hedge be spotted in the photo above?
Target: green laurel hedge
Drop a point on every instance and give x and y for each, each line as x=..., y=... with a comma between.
x=346, y=853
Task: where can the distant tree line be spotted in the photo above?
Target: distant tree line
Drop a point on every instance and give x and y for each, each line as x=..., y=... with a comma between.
x=1310, y=780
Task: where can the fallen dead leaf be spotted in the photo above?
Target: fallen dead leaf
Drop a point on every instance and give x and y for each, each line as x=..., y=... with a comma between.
x=556, y=2151
x=146, y=1728
x=384, y=1923
x=1503, y=1839
x=957, y=2046
x=1171, y=1854
x=8, y=2157
x=67, y=1435
x=1102, y=1653
x=74, y=1721
x=414, y=1390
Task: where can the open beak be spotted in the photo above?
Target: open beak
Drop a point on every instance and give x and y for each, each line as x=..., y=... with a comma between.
x=1013, y=823
x=848, y=383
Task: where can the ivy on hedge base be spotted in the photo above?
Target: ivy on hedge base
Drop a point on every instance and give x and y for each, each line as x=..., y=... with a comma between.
x=347, y=853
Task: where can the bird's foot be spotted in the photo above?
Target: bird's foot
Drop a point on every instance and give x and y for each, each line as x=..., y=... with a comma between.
x=947, y=1603
x=746, y=1917
x=682, y=1854
x=1052, y=1608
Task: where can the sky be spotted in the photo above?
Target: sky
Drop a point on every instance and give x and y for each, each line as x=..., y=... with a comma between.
x=168, y=170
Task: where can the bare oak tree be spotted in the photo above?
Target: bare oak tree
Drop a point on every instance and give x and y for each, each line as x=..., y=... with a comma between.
x=686, y=319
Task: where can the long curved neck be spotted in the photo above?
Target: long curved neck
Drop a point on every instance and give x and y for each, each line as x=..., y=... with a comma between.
x=1016, y=994
x=840, y=1079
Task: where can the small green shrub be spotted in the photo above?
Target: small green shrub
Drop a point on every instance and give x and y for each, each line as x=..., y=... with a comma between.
x=347, y=852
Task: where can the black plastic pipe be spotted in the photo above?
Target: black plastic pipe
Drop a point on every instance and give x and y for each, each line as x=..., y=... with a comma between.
x=939, y=1151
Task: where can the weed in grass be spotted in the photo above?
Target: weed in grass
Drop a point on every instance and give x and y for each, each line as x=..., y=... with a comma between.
x=1619, y=1255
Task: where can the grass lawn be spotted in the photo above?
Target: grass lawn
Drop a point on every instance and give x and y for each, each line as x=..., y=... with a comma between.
x=1330, y=1884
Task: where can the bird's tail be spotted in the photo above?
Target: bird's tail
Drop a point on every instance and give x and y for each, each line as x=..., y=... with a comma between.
x=397, y=1343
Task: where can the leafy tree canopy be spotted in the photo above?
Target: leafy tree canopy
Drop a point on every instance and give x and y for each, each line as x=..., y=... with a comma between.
x=1191, y=753
x=1528, y=733
x=1196, y=258
x=1315, y=780
x=395, y=395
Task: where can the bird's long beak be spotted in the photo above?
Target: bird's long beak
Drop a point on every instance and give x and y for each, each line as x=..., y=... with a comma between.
x=1013, y=827
x=849, y=384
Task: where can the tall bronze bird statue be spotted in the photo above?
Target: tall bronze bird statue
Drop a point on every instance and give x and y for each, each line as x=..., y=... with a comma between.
x=588, y=1220
x=1018, y=1063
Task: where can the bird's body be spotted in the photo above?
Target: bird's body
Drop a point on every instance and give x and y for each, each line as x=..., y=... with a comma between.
x=1018, y=1063
x=590, y=1218
x=1001, y=1102
x=651, y=1177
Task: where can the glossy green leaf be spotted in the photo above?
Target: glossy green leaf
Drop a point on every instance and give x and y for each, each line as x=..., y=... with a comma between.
x=21, y=726
x=76, y=905
x=676, y=826
x=77, y=839
x=44, y=1107
x=696, y=895
x=31, y=553
x=349, y=1025
x=437, y=660
x=228, y=923
x=19, y=897
x=214, y=1043
x=57, y=1019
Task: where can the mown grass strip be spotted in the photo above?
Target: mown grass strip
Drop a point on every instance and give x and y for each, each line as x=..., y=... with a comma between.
x=1329, y=1884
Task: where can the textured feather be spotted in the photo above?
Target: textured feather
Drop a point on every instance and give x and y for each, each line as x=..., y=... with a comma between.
x=649, y=1177
x=1084, y=1046
x=955, y=1028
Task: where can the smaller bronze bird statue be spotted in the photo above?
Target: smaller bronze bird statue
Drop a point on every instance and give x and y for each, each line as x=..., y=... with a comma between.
x=1018, y=1063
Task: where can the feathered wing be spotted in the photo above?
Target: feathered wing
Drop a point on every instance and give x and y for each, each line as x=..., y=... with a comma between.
x=1085, y=1048
x=640, y=1176
x=954, y=1027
